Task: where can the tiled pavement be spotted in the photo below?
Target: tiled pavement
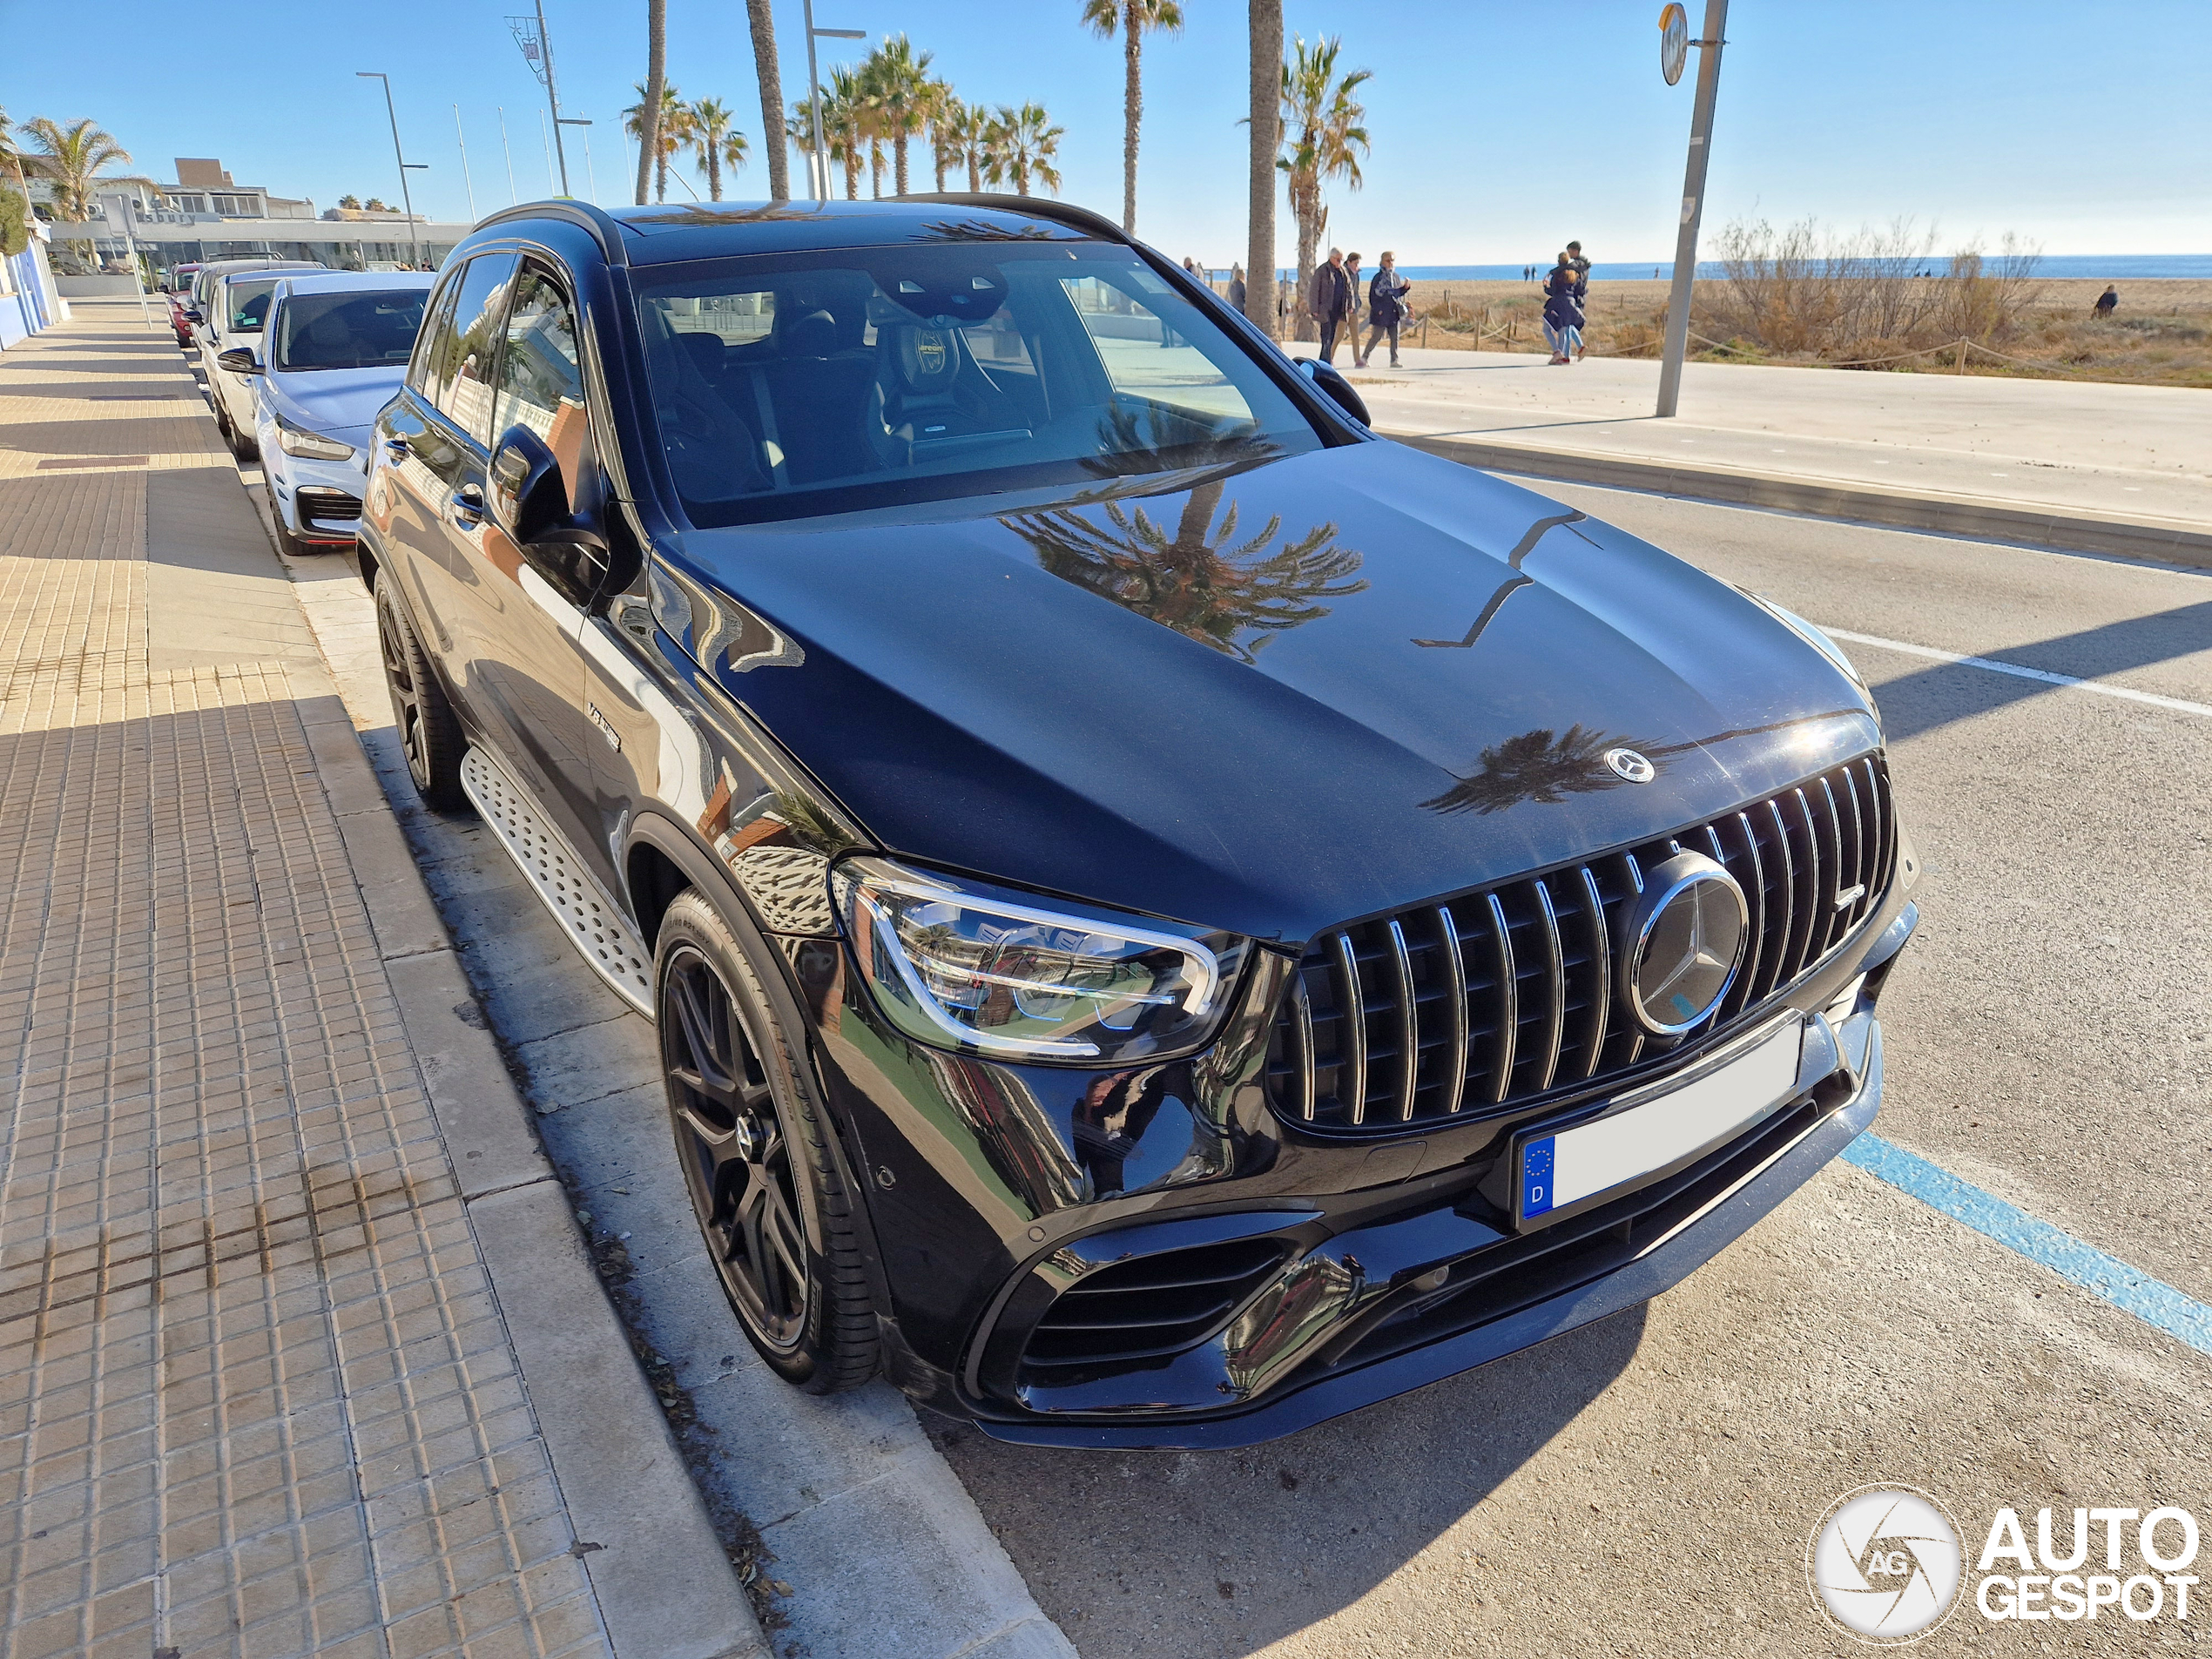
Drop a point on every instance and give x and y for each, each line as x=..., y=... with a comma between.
x=256, y=1393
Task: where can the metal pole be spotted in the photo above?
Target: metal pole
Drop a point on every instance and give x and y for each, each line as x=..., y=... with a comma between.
x=820, y=166
x=548, y=143
x=591, y=174
x=1693, y=204
x=507, y=150
x=462, y=138
x=552, y=96
x=406, y=200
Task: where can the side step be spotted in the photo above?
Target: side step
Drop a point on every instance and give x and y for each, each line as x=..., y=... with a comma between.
x=594, y=923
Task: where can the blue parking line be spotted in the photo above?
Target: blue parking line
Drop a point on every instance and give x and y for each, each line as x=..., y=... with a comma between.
x=2127, y=1288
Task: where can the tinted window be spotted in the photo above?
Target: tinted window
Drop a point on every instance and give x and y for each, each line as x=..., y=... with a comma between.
x=348, y=330
x=429, y=345
x=246, y=303
x=826, y=382
x=541, y=376
x=467, y=351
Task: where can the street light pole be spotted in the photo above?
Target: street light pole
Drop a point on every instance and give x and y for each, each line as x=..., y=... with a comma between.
x=819, y=163
x=407, y=201
x=553, y=97
x=1693, y=204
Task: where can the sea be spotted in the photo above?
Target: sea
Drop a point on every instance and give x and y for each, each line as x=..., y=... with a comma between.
x=2101, y=268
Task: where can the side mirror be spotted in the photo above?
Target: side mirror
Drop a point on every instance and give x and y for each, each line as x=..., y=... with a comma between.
x=1340, y=389
x=529, y=500
x=192, y=315
x=239, y=360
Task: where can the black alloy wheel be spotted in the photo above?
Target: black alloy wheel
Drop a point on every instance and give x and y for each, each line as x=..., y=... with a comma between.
x=429, y=735
x=771, y=1202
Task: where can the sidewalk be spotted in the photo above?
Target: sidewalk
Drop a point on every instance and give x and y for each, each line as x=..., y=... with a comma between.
x=299, y=1350
x=1993, y=450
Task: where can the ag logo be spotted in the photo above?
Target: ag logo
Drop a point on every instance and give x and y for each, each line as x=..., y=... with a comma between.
x=1884, y=1564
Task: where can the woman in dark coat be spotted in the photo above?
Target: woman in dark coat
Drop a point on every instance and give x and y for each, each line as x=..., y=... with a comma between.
x=1563, y=310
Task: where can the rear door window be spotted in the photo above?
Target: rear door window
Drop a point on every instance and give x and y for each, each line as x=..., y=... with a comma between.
x=429, y=345
x=246, y=303
x=469, y=349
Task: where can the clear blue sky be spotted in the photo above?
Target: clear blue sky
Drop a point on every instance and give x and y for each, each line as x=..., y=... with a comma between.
x=1499, y=129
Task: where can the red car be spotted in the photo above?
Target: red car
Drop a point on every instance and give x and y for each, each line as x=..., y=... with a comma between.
x=177, y=291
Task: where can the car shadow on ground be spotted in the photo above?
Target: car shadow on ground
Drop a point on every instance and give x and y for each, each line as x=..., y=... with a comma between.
x=1942, y=693
x=1220, y=1553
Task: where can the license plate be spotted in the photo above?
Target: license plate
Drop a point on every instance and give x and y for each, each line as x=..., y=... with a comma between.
x=1573, y=1169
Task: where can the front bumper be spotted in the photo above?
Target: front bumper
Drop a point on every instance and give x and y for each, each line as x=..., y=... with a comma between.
x=1508, y=1294
x=301, y=487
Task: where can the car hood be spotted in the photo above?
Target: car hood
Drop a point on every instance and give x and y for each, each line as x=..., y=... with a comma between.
x=336, y=400
x=1274, y=700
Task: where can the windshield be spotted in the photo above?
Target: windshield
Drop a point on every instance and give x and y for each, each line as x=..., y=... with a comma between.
x=828, y=382
x=249, y=304
x=349, y=330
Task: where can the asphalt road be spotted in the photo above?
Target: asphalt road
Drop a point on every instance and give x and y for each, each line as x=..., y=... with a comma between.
x=1647, y=1485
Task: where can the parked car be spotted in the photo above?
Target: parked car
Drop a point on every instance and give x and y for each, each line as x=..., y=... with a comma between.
x=334, y=348
x=232, y=298
x=177, y=290
x=1169, y=917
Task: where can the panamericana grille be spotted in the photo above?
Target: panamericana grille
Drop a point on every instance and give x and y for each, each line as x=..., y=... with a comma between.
x=1498, y=997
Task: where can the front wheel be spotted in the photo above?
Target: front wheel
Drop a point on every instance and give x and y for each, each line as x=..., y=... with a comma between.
x=429, y=735
x=752, y=1137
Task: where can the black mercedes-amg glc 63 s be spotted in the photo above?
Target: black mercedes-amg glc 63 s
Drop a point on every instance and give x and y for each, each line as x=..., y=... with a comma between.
x=1168, y=917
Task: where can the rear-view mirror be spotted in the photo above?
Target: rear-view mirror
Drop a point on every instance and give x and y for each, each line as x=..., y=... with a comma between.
x=238, y=360
x=529, y=500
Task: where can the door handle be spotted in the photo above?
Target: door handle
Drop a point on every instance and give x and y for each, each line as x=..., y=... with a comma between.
x=467, y=506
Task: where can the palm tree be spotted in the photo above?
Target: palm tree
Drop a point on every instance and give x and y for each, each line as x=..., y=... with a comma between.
x=771, y=99
x=1133, y=19
x=1019, y=146
x=668, y=135
x=845, y=126
x=899, y=80
x=1200, y=581
x=714, y=138
x=966, y=128
x=1266, y=120
x=649, y=97
x=1321, y=119
x=70, y=157
x=947, y=113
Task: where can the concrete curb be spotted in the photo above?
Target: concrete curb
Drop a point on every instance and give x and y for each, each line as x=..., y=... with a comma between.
x=665, y=1588
x=2161, y=540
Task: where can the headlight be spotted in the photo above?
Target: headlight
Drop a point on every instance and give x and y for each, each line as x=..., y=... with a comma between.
x=298, y=441
x=1811, y=635
x=978, y=970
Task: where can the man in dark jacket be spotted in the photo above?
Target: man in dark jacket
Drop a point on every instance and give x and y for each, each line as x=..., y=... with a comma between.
x=1386, y=308
x=1332, y=302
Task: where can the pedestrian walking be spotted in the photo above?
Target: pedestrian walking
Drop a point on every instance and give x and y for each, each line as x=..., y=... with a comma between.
x=1331, y=302
x=2109, y=301
x=1563, y=312
x=1352, y=309
x=1237, y=289
x=1386, y=306
x=1581, y=292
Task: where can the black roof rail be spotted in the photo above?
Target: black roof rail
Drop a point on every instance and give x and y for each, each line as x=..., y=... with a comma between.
x=1061, y=213
x=605, y=228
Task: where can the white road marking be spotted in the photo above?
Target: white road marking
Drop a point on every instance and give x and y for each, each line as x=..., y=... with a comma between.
x=2178, y=704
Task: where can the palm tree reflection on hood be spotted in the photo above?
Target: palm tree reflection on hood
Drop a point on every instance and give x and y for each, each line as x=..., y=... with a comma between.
x=1538, y=766
x=1200, y=581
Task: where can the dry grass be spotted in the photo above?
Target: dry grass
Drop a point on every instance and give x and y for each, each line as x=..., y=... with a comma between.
x=2160, y=335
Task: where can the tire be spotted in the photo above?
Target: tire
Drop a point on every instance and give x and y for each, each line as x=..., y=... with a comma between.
x=288, y=544
x=752, y=1137
x=242, y=442
x=429, y=735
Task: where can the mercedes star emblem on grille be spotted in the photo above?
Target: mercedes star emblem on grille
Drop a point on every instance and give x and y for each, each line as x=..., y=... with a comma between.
x=1684, y=939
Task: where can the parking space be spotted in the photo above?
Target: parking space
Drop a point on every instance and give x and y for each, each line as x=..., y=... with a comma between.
x=1647, y=1485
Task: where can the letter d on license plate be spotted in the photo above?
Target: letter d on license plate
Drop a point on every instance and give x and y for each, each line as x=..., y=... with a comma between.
x=1570, y=1168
